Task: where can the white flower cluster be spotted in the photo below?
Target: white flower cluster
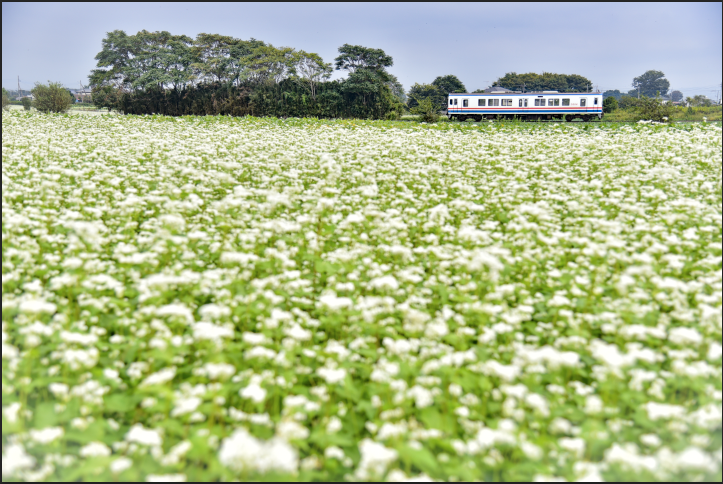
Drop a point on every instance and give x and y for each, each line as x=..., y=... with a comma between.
x=236, y=298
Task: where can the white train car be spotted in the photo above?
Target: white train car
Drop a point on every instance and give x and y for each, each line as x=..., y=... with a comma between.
x=529, y=106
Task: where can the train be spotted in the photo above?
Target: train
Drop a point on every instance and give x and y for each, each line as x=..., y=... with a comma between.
x=525, y=106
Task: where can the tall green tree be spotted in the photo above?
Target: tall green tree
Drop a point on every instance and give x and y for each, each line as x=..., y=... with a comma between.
x=546, y=81
x=309, y=70
x=651, y=83
x=354, y=57
x=449, y=83
x=610, y=104
x=397, y=89
x=613, y=93
x=676, y=96
x=419, y=92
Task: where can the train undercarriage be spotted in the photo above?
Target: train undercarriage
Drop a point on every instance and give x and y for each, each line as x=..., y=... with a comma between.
x=523, y=117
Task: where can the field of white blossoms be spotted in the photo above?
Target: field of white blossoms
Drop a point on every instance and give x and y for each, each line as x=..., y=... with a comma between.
x=239, y=298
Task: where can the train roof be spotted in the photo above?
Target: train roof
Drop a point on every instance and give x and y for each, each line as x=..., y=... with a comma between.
x=518, y=93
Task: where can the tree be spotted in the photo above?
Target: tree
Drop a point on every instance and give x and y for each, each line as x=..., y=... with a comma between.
x=546, y=81
x=651, y=83
x=654, y=109
x=51, y=98
x=426, y=91
x=27, y=103
x=397, y=89
x=699, y=100
x=310, y=70
x=448, y=84
x=676, y=96
x=353, y=57
x=613, y=93
x=427, y=109
x=627, y=102
x=610, y=104
x=6, y=100
x=267, y=63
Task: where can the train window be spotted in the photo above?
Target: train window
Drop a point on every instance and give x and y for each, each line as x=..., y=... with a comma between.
x=565, y=102
x=497, y=102
x=451, y=102
x=582, y=102
x=595, y=102
x=539, y=102
x=480, y=102
x=455, y=102
x=557, y=102
x=550, y=102
x=525, y=102
x=464, y=103
x=520, y=102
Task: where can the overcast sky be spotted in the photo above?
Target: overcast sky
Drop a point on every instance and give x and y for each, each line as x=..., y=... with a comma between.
x=607, y=43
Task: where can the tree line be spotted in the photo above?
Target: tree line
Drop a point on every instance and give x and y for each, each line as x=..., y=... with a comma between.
x=157, y=72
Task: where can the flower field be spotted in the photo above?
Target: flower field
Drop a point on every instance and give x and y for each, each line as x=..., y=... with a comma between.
x=237, y=298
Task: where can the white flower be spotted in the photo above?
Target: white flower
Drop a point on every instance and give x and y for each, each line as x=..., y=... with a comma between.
x=46, y=435
x=253, y=392
x=334, y=425
x=242, y=452
x=375, y=458
x=332, y=375
x=120, y=464
x=94, y=449
x=334, y=303
x=385, y=282
x=185, y=406
x=161, y=377
x=166, y=478
x=15, y=460
x=37, y=306
x=143, y=436
x=290, y=430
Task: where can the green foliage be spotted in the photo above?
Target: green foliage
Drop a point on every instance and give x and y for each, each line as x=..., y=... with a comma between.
x=6, y=100
x=652, y=109
x=448, y=84
x=699, y=100
x=156, y=72
x=27, y=103
x=676, y=96
x=627, y=102
x=546, y=81
x=651, y=83
x=427, y=109
x=613, y=93
x=52, y=98
x=426, y=91
x=353, y=57
x=610, y=104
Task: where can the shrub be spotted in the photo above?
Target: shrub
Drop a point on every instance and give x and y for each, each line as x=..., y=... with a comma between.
x=610, y=104
x=53, y=98
x=27, y=103
x=654, y=110
x=6, y=102
x=427, y=109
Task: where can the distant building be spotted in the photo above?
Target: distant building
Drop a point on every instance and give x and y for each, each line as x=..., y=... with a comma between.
x=497, y=89
x=82, y=95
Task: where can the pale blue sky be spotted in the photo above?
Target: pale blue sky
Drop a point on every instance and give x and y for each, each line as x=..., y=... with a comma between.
x=607, y=43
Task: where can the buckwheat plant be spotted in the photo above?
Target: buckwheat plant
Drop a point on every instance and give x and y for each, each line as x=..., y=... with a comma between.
x=259, y=299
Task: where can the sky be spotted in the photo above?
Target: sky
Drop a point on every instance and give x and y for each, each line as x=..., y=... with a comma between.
x=609, y=43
